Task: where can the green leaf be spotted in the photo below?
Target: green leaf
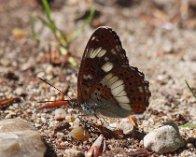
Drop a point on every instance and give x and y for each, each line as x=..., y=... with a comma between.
x=86, y=23
x=63, y=50
x=72, y=61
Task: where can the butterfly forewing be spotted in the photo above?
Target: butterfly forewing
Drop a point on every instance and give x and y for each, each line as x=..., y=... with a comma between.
x=106, y=78
x=103, y=47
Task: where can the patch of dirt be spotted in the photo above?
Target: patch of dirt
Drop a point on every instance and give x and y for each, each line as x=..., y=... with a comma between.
x=158, y=38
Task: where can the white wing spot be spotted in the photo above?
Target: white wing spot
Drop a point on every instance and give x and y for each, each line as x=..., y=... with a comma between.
x=117, y=83
x=141, y=74
x=86, y=54
x=108, y=76
x=125, y=106
x=146, y=89
x=140, y=89
x=106, y=58
x=99, y=52
x=89, y=53
x=104, y=81
x=107, y=66
x=118, y=48
x=117, y=90
x=113, y=51
x=122, y=99
x=94, y=53
x=122, y=93
x=86, y=77
x=112, y=80
x=93, y=38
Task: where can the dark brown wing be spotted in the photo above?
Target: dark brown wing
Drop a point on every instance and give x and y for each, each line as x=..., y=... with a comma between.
x=103, y=45
x=106, y=78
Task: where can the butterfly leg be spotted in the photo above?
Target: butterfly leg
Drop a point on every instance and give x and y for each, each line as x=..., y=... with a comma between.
x=102, y=120
x=80, y=117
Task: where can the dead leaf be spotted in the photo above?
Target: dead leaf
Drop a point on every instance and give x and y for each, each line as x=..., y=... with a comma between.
x=5, y=102
x=19, y=33
x=134, y=121
x=117, y=134
x=79, y=133
x=140, y=153
x=97, y=148
x=57, y=103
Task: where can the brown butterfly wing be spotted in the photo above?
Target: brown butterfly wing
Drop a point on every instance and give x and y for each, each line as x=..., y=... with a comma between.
x=102, y=39
x=106, y=78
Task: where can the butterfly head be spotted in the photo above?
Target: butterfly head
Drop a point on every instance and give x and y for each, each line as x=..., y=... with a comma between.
x=87, y=108
x=73, y=103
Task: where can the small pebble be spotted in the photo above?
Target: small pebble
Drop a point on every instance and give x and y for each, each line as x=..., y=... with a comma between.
x=5, y=62
x=49, y=69
x=19, y=91
x=79, y=133
x=59, y=114
x=126, y=126
x=165, y=139
x=19, y=33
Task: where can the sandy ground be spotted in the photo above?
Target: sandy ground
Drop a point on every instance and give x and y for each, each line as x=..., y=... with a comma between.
x=165, y=51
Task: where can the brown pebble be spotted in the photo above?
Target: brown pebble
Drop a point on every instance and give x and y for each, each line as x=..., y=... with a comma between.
x=80, y=133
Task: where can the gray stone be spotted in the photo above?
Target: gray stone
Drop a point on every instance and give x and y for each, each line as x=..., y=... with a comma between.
x=19, y=139
x=165, y=139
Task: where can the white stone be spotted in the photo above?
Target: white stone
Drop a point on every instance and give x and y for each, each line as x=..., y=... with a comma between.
x=165, y=139
x=126, y=126
x=59, y=114
x=19, y=139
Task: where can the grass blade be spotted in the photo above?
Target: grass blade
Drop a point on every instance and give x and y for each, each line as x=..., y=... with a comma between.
x=86, y=23
x=190, y=89
x=47, y=9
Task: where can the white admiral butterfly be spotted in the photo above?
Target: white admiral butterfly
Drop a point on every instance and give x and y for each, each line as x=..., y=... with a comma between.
x=107, y=84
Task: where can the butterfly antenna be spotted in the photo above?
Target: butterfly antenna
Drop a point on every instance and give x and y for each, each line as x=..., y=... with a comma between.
x=47, y=101
x=51, y=85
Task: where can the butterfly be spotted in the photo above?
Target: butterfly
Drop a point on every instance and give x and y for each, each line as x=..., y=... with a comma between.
x=107, y=84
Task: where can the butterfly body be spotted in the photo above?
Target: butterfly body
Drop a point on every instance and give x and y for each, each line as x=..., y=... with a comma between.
x=107, y=84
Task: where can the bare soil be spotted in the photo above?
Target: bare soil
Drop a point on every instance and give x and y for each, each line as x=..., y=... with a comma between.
x=159, y=39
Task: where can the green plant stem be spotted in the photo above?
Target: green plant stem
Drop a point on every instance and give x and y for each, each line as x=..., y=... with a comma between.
x=81, y=29
x=190, y=89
